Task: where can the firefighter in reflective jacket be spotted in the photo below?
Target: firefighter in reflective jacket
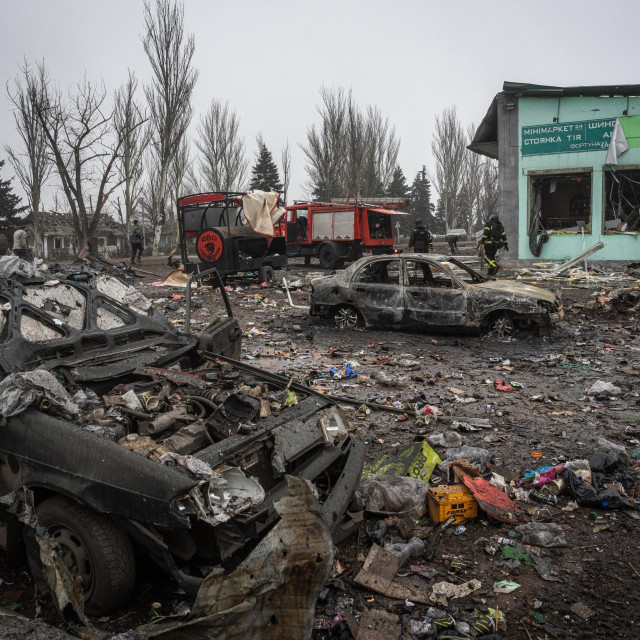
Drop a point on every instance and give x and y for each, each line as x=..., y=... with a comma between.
x=493, y=238
x=420, y=238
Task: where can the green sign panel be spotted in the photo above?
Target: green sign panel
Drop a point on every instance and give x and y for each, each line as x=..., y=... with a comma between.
x=567, y=137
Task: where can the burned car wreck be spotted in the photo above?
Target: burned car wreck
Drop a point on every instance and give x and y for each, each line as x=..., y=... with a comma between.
x=128, y=435
x=417, y=291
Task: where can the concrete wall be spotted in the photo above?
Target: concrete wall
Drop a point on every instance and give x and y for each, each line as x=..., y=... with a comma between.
x=508, y=162
x=537, y=111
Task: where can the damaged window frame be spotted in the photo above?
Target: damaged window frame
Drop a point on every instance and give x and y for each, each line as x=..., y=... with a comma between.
x=607, y=195
x=534, y=213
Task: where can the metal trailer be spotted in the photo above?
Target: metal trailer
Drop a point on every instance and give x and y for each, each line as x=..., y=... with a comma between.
x=342, y=230
x=214, y=232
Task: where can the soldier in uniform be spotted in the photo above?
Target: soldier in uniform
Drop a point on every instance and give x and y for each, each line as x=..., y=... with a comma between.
x=420, y=239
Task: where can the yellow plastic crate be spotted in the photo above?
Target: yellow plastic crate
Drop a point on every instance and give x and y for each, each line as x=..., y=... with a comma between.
x=454, y=500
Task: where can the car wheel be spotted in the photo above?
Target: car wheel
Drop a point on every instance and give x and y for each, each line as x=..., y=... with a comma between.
x=94, y=548
x=328, y=256
x=501, y=326
x=265, y=274
x=347, y=317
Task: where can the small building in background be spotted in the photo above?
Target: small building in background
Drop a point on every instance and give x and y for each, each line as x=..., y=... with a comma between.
x=59, y=240
x=561, y=188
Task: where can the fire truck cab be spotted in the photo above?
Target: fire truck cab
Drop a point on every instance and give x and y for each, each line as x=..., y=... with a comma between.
x=342, y=230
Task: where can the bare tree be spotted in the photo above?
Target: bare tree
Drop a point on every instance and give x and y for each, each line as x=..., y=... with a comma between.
x=472, y=185
x=222, y=162
x=179, y=184
x=325, y=146
x=80, y=137
x=488, y=197
x=170, y=53
x=379, y=154
x=448, y=147
x=32, y=162
x=133, y=139
x=352, y=151
x=285, y=162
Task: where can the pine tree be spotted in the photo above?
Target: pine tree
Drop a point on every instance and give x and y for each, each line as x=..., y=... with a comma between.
x=439, y=222
x=264, y=175
x=9, y=202
x=421, y=207
x=398, y=187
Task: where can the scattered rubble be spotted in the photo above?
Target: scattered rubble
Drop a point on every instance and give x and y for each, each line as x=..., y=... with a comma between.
x=480, y=512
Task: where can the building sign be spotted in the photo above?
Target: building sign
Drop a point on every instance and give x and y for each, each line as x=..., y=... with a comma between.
x=567, y=137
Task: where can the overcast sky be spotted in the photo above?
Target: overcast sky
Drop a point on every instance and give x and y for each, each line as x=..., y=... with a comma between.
x=412, y=58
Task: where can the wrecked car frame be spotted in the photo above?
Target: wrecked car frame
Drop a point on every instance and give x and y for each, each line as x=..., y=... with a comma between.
x=190, y=474
x=420, y=291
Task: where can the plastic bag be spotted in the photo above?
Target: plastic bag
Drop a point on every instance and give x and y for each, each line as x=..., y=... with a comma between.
x=542, y=534
x=391, y=495
x=604, y=389
x=416, y=459
x=11, y=266
x=446, y=439
x=474, y=455
x=19, y=391
x=587, y=495
x=405, y=550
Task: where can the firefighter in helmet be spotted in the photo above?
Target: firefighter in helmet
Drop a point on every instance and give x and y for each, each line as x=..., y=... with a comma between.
x=493, y=238
x=420, y=239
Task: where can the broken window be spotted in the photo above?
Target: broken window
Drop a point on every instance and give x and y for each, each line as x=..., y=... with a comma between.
x=562, y=201
x=418, y=274
x=380, y=272
x=622, y=201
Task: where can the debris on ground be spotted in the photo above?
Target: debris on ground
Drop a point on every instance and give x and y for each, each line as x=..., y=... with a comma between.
x=497, y=472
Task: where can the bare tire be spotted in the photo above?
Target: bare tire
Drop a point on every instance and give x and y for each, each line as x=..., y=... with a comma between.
x=501, y=326
x=347, y=317
x=92, y=547
x=328, y=256
x=265, y=274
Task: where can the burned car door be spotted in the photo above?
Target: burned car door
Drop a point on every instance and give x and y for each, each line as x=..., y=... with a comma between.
x=376, y=290
x=432, y=296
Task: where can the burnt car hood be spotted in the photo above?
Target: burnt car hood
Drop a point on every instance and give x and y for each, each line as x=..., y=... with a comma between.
x=513, y=287
x=83, y=327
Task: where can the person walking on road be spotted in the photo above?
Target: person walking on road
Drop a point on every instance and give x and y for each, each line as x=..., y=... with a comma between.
x=136, y=239
x=493, y=238
x=420, y=240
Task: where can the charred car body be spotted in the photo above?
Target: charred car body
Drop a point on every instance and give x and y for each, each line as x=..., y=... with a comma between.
x=157, y=440
x=421, y=292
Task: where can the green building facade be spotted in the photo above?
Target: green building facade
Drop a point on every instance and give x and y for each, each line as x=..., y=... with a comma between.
x=551, y=144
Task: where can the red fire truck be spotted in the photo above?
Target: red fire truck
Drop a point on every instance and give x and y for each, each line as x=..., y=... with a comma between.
x=341, y=230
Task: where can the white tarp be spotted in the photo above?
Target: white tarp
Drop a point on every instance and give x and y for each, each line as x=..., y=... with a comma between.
x=617, y=146
x=262, y=211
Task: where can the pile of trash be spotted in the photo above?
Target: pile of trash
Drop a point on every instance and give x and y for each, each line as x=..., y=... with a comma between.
x=411, y=516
